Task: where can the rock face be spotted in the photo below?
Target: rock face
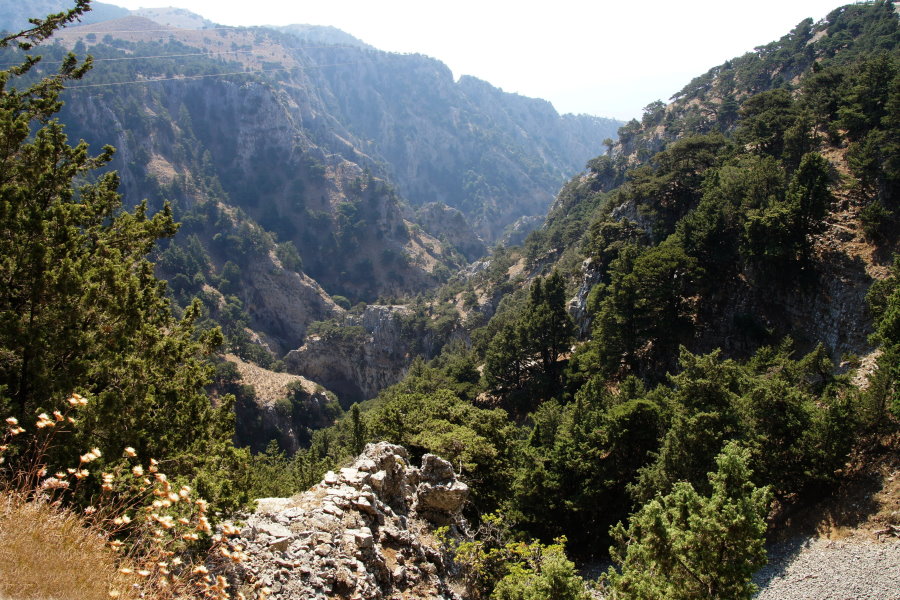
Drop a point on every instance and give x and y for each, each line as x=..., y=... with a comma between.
x=450, y=224
x=577, y=305
x=362, y=533
x=356, y=367
x=283, y=303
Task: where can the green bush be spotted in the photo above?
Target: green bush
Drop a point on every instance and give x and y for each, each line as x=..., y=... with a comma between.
x=684, y=546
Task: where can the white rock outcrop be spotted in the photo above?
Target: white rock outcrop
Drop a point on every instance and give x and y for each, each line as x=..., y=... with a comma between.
x=364, y=532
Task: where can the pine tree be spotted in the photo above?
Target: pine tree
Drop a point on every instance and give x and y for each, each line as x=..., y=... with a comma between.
x=809, y=198
x=528, y=348
x=548, y=328
x=644, y=314
x=80, y=308
x=505, y=362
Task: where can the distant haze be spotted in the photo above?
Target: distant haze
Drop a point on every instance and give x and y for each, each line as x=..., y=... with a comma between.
x=606, y=58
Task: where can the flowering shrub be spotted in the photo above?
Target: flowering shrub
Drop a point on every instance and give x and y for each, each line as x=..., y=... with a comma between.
x=141, y=535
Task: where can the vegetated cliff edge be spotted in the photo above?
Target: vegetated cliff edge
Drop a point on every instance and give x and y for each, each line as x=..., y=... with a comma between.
x=669, y=181
x=359, y=357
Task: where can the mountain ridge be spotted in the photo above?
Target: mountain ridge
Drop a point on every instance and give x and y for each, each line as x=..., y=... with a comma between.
x=731, y=257
x=306, y=168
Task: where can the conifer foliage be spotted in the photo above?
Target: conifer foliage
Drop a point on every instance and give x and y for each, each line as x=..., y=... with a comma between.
x=685, y=545
x=80, y=308
x=526, y=352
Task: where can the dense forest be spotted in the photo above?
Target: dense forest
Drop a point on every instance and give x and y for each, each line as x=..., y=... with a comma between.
x=705, y=239
x=692, y=345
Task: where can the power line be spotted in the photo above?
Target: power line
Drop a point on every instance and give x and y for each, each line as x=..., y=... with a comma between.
x=96, y=60
x=178, y=78
x=204, y=76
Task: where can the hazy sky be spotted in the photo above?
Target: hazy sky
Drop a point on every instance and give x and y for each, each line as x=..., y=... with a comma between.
x=607, y=58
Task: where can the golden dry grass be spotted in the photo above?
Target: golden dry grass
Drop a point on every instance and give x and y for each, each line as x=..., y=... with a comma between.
x=51, y=552
x=47, y=553
x=269, y=385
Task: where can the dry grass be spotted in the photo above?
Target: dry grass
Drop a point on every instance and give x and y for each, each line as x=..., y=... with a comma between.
x=269, y=385
x=138, y=539
x=47, y=553
x=162, y=169
x=516, y=268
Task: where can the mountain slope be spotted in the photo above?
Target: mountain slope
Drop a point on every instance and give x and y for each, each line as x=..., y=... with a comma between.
x=299, y=159
x=677, y=179
x=493, y=155
x=14, y=14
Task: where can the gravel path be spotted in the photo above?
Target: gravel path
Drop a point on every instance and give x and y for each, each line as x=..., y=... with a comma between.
x=822, y=569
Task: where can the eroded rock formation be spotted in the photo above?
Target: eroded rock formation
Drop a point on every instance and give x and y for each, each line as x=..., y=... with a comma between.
x=365, y=532
x=357, y=367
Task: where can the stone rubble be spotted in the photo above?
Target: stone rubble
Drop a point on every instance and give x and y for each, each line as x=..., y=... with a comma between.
x=363, y=533
x=816, y=567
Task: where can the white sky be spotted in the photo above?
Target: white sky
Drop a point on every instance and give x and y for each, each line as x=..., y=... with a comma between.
x=598, y=57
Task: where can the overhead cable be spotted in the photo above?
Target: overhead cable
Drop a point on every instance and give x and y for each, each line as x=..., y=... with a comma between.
x=203, y=76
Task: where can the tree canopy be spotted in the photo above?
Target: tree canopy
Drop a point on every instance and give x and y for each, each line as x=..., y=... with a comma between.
x=81, y=310
x=685, y=545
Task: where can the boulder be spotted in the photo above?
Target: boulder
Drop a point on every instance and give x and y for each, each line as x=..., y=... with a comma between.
x=439, y=496
x=358, y=533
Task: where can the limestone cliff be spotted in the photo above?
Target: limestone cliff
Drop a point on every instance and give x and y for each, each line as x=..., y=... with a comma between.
x=449, y=225
x=282, y=407
x=493, y=155
x=365, y=356
x=365, y=533
x=283, y=303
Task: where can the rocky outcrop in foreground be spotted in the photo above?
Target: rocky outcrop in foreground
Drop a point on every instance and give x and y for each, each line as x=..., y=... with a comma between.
x=362, y=533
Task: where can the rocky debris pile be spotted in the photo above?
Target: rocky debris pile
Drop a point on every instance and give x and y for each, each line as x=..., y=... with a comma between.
x=831, y=570
x=365, y=532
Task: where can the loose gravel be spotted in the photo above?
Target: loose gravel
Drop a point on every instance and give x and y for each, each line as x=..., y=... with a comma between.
x=823, y=569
